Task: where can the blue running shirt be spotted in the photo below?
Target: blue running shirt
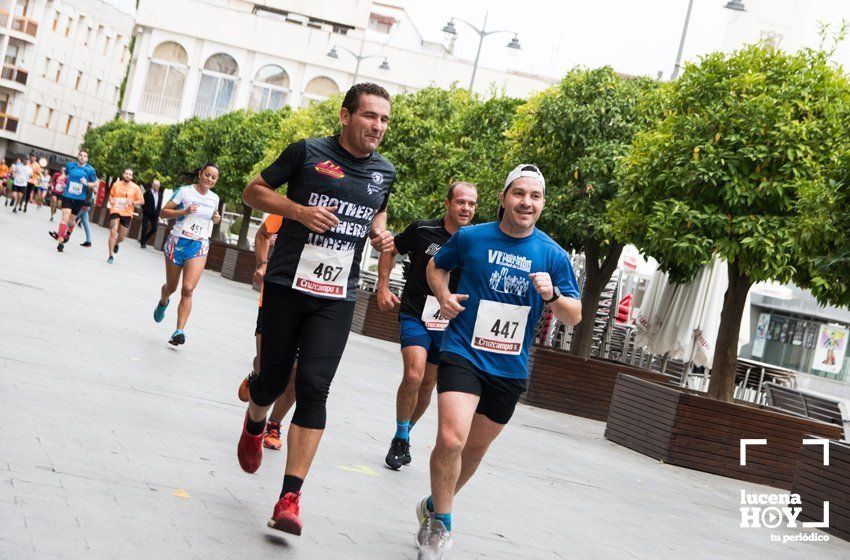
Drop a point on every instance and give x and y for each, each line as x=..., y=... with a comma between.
x=496, y=329
x=80, y=178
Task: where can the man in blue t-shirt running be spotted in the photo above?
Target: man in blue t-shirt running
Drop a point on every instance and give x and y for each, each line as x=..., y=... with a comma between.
x=508, y=271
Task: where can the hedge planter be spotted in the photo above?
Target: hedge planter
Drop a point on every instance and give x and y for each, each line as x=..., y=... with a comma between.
x=238, y=265
x=215, y=258
x=135, y=228
x=371, y=321
x=94, y=214
x=680, y=428
x=817, y=483
x=103, y=218
x=582, y=387
x=159, y=238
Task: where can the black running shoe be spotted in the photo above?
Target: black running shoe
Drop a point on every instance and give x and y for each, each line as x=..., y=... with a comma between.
x=60, y=247
x=399, y=454
x=53, y=234
x=115, y=249
x=85, y=244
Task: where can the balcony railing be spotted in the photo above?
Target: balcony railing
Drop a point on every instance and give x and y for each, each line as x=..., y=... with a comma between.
x=4, y=18
x=14, y=74
x=160, y=105
x=25, y=25
x=209, y=111
x=8, y=122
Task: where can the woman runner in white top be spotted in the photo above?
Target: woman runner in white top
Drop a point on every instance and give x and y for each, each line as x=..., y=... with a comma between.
x=195, y=208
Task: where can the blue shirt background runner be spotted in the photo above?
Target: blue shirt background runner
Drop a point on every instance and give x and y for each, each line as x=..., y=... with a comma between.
x=496, y=267
x=75, y=173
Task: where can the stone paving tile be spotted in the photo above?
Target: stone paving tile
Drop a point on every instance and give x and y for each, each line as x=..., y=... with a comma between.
x=116, y=445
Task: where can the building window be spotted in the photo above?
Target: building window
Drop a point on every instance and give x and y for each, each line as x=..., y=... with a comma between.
x=218, y=86
x=97, y=89
x=49, y=118
x=106, y=45
x=318, y=89
x=87, y=36
x=115, y=97
x=165, y=81
x=35, y=114
x=56, y=17
x=68, y=27
x=124, y=53
x=46, y=67
x=22, y=8
x=12, y=55
x=270, y=89
x=4, y=103
x=68, y=124
x=58, y=71
x=381, y=24
x=78, y=79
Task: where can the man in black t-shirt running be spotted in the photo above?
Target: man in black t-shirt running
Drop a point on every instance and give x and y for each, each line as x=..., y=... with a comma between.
x=420, y=323
x=336, y=197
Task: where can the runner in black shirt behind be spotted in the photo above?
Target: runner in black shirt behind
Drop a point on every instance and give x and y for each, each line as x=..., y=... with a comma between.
x=336, y=197
x=419, y=317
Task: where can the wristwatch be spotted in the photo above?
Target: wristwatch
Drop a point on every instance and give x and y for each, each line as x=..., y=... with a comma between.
x=556, y=293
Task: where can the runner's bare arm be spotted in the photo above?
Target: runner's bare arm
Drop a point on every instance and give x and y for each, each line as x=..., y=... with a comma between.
x=566, y=309
x=261, y=253
x=438, y=279
x=386, y=299
x=262, y=196
x=171, y=211
x=382, y=240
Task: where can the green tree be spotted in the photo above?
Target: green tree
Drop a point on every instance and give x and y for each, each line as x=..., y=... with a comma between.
x=575, y=132
x=438, y=136
x=243, y=140
x=747, y=138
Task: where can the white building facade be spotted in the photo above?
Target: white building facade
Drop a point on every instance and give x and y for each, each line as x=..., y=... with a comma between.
x=63, y=64
x=207, y=57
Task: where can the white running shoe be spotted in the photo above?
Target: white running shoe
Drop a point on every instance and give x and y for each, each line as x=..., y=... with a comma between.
x=423, y=517
x=439, y=540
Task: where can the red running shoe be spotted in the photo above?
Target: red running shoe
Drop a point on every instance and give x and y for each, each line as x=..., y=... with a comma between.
x=285, y=516
x=250, y=449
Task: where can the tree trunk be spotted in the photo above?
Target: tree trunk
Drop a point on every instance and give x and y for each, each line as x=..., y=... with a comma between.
x=722, y=385
x=216, y=230
x=242, y=243
x=596, y=277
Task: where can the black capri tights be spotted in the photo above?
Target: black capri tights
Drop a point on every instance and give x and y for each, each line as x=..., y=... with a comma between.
x=314, y=329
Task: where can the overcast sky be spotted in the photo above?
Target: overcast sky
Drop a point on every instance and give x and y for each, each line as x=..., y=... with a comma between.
x=634, y=36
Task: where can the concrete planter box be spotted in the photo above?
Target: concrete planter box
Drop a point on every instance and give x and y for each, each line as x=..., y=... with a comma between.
x=215, y=258
x=817, y=483
x=582, y=387
x=371, y=321
x=238, y=264
x=680, y=428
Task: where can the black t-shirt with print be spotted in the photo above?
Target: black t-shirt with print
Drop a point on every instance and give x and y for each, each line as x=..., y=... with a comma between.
x=320, y=172
x=421, y=240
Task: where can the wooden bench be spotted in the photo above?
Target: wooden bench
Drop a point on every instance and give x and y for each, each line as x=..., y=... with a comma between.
x=817, y=483
x=681, y=428
x=808, y=405
x=582, y=387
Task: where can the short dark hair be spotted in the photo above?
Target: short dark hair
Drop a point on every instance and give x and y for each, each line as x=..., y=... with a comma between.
x=352, y=96
x=451, y=192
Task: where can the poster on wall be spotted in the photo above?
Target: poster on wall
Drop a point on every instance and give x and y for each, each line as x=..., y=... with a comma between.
x=761, y=335
x=830, y=349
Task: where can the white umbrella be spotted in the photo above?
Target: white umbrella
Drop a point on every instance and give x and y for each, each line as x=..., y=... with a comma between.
x=682, y=320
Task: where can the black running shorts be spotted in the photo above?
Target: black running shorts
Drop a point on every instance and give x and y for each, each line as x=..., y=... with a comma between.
x=499, y=395
x=123, y=220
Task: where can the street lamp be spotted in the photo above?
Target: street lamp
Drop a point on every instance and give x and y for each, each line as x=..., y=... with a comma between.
x=450, y=33
x=384, y=66
x=734, y=5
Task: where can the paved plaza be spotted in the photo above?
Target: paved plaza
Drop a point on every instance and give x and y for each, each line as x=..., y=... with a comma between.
x=116, y=445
